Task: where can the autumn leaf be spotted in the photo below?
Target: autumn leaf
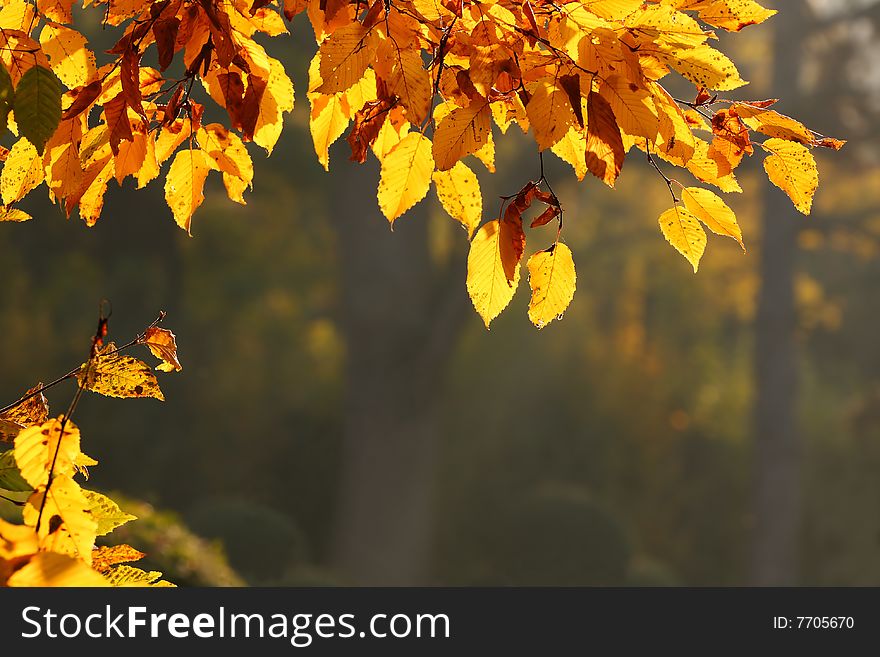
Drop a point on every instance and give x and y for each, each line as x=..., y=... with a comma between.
x=31, y=408
x=792, y=168
x=114, y=375
x=54, y=569
x=713, y=212
x=459, y=192
x=406, y=175
x=106, y=556
x=127, y=576
x=462, y=132
x=345, y=55
x=163, y=345
x=492, y=255
x=67, y=525
x=38, y=446
x=22, y=172
x=552, y=279
x=106, y=513
x=185, y=183
x=683, y=231
x=69, y=55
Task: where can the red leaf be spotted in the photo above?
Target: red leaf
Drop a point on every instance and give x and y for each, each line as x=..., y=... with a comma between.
x=116, y=116
x=165, y=31
x=83, y=99
x=250, y=107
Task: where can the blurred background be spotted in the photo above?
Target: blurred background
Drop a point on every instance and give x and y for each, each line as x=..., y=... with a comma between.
x=343, y=417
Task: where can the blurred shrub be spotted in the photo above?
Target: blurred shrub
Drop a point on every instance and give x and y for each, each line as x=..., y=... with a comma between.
x=183, y=557
x=265, y=546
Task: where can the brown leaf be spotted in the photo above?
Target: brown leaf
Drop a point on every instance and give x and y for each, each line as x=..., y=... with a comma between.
x=165, y=31
x=117, y=121
x=82, y=99
x=33, y=411
x=163, y=344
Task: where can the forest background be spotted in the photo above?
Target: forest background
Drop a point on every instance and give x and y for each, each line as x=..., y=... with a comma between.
x=344, y=417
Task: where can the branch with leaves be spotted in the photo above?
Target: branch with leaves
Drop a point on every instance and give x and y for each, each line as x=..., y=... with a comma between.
x=417, y=83
x=55, y=544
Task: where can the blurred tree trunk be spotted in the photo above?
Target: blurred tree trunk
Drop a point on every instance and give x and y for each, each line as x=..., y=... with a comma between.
x=398, y=336
x=777, y=450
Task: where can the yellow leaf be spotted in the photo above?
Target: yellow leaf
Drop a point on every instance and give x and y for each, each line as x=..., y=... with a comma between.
x=66, y=525
x=572, y=149
x=412, y=84
x=16, y=541
x=713, y=212
x=22, y=172
x=489, y=260
x=185, y=183
x=552, y=279
x=35, y=410
x=232, y=159
x=8, y=213
x=733, y=15
x=114, y=375
x=714, y=171
x=104, y=557
x=773, y=124
x=463, y=131
x=632, y=107
x=683, y=231
x=550, y=113
x=276, y=101
x=345, y=55
x=53, y=569
x=406, y=175
x=163, y=344
x=106, y=513
x=36, y=446
x=792, y=168
x=703, y=65
x=327, y=122
x=459, y=192
x=130, y=576
x=150, y=169
x=69, y=55
x=130, y=158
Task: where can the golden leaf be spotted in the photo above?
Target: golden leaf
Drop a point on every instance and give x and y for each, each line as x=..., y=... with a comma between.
x=552, y=279
x=66, y=525
x=490, y=259
x=106, y=513
x=406, y=175
x=463, y=131
x=36, y=446
x=104, y=557
x=22, y=172
x=69, y=56
x=683, y=231
x=54, y=569
x=185, y=183
x=114, y=375
x=713, y=212
x=792, y=168
x=163, y=344
x=459, y=192
x=35, y=410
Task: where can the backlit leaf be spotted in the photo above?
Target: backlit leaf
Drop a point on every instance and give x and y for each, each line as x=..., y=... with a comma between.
x=683, y=231
x=792, y=168
x=406, y=175
x=552, y=279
